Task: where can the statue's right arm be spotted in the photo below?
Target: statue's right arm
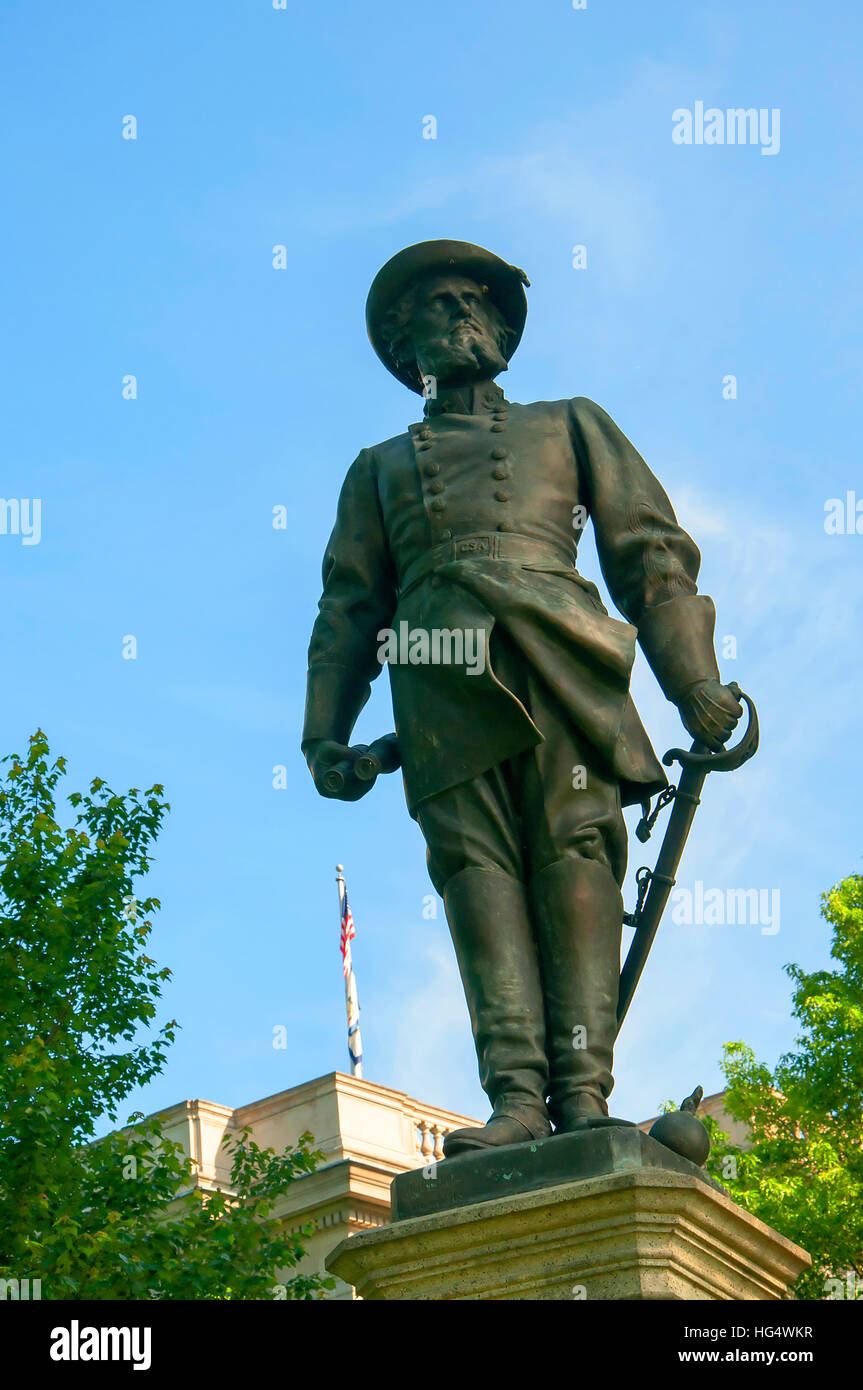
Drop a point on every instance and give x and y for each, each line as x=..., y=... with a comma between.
x=359, y=599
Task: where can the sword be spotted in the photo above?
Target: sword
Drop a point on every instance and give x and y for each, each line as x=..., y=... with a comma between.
x=654, y=886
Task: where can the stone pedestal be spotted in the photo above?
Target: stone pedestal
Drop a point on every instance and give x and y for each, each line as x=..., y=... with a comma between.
x=649, y=1226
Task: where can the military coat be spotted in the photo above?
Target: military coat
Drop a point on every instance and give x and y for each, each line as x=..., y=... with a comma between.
x=471, y=521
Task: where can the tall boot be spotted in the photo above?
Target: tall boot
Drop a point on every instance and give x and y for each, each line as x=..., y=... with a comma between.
x=488, y=916
x=578, y=914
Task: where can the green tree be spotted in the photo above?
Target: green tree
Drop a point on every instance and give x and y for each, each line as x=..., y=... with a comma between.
x=115, y=1217
x=803, y=1174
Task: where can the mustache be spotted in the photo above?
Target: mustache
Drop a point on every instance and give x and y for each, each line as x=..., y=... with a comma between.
x=478, y=330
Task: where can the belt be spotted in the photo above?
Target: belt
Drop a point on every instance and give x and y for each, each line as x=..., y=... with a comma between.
x=493, y=545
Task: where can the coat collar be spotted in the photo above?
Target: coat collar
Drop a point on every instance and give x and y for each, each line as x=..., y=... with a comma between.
x=476, y=399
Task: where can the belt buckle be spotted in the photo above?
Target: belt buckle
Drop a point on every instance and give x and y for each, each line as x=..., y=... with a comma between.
x=469, y=547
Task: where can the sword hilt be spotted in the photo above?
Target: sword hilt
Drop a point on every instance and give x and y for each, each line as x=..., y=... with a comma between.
x=727, y=759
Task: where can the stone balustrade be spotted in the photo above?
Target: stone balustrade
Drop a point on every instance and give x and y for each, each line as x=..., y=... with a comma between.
x=429, y=1138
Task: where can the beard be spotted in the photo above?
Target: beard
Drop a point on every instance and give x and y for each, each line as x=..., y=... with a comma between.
x=466, y=353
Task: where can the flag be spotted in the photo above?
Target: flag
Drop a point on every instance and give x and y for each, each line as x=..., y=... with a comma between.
x=355, y=1042
x=348, y=933
x=346, y=936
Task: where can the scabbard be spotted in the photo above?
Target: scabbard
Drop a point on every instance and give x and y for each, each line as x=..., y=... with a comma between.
x=661, y=882
x=651, y=901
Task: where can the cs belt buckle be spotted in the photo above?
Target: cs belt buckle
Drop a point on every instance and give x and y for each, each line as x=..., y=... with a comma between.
x=471, y=547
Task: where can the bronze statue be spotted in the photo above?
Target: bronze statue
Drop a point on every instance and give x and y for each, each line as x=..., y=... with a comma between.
x=453, y=560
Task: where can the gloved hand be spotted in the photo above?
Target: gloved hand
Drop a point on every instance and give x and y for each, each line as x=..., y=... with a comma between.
x=324, y=753
x=710, y=711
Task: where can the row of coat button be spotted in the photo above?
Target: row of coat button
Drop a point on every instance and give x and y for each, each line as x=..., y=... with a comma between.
x=502, y=470
x=438, y=503
x=432, y=469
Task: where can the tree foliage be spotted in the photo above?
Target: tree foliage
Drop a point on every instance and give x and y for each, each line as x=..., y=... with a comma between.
x=803, y=1173
x=116, y=1217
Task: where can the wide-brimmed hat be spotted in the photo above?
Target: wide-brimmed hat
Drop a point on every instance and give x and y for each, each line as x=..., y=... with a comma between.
x=505, y=285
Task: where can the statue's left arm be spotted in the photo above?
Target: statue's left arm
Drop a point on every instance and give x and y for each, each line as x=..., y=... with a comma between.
x=650, y=565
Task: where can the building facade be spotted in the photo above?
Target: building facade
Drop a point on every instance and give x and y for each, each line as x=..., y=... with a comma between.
x=367, y=1134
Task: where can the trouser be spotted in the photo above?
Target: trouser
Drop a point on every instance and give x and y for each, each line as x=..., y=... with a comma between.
x=528, y=858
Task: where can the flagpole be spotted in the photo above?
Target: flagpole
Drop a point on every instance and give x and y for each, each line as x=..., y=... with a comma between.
x=352, y=1007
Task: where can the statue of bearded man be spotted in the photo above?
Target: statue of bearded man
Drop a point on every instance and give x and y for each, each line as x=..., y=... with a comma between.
x=517, y=772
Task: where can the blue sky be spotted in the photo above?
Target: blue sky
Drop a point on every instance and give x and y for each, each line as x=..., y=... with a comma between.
x=257, y=387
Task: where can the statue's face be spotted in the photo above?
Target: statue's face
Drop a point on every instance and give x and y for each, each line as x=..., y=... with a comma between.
x=453, y=333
